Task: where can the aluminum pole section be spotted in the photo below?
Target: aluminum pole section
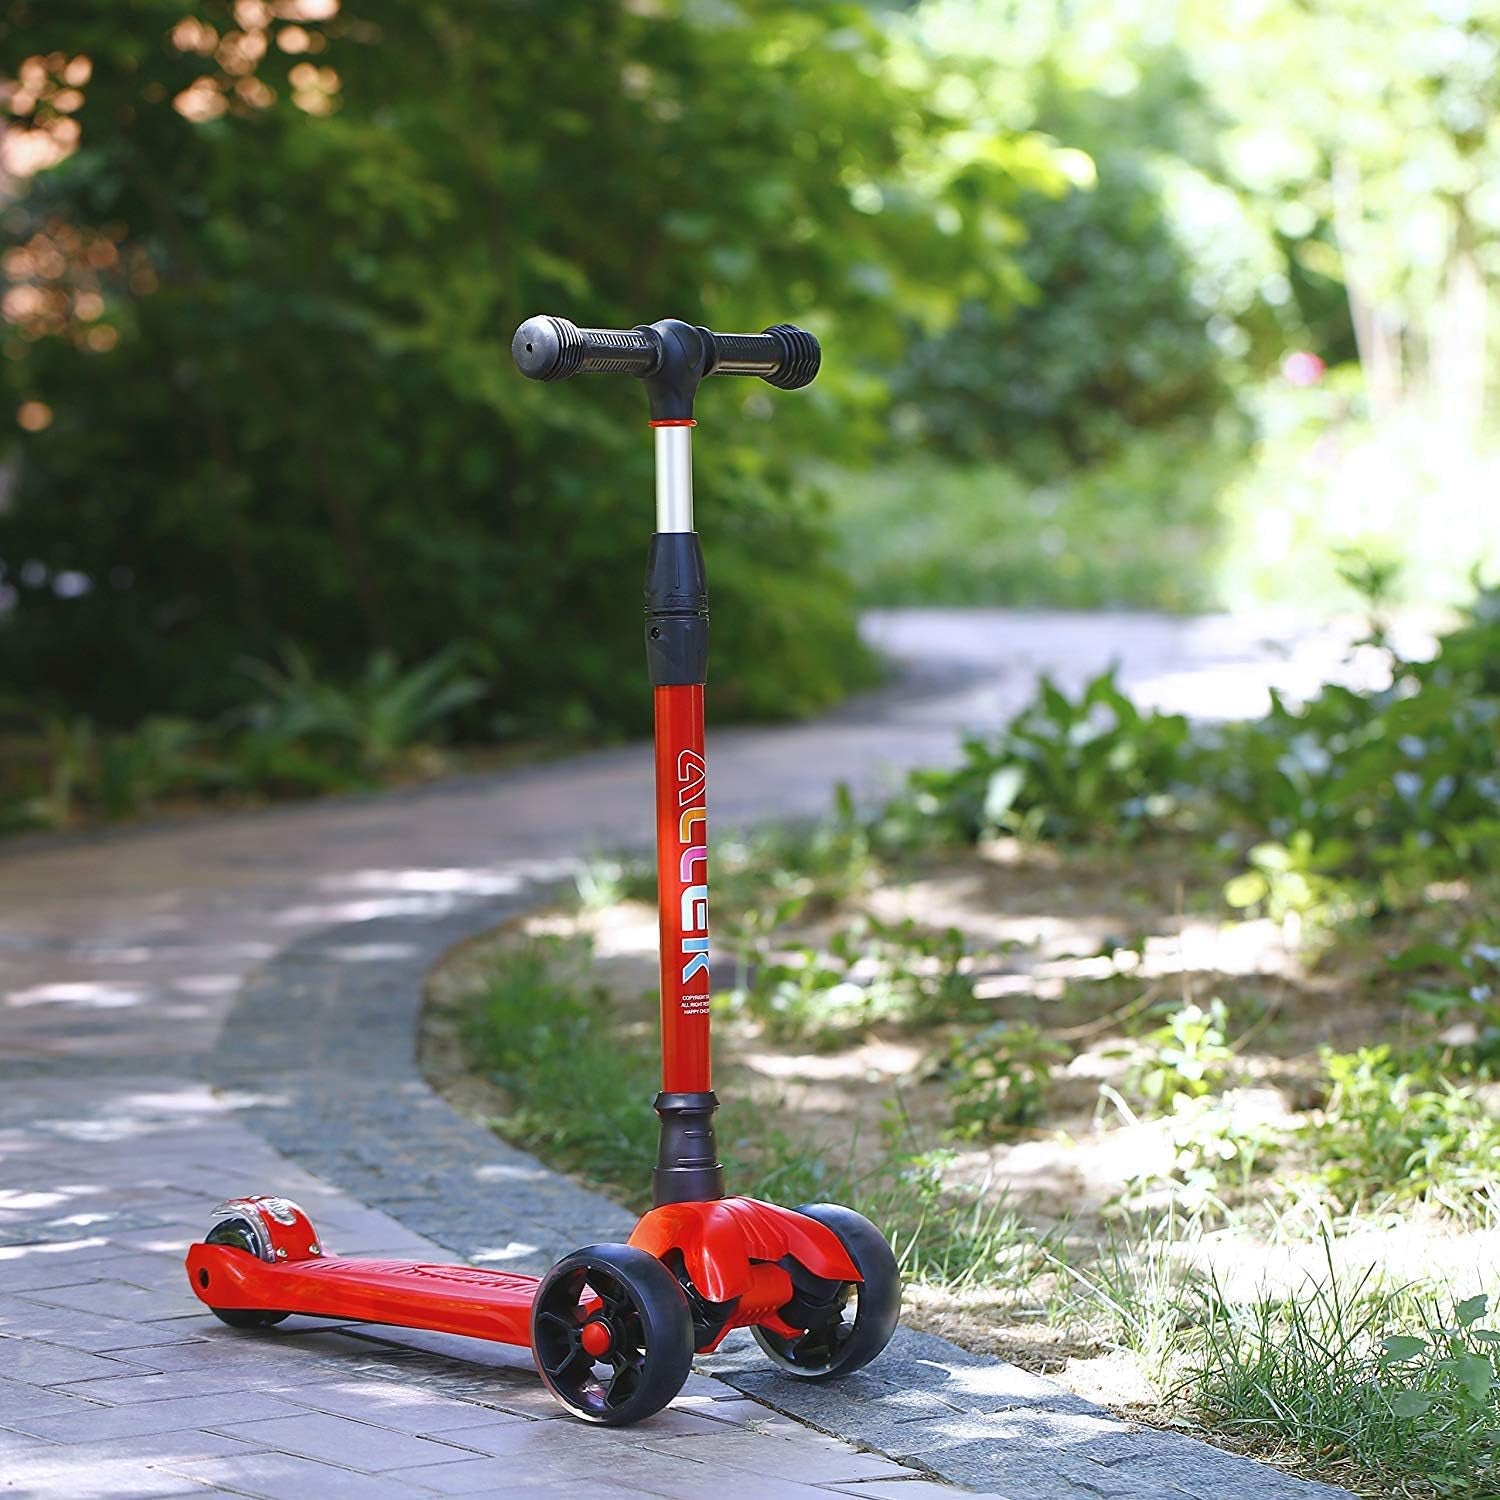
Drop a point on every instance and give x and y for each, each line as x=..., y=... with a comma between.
x=674, y=476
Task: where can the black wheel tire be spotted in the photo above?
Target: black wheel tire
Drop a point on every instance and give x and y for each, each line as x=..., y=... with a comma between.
x=650, y=1328
x=242, y=1235
x=842, y=1344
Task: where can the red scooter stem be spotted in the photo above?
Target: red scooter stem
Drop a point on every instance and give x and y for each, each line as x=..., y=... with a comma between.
x=682, y=888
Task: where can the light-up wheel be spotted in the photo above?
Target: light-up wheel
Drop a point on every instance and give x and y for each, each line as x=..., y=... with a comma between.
x=611, y=1334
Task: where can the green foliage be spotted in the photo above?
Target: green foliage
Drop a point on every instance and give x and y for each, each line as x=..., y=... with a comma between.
x=1355, y=798
x=1294, y=879
x=1132, y=531
x=537, y=1031
x=1391, y=1132
x=1142, y=1287
x=1403, y=782
x=1186, y=1057
x=1320, y=1373
x=1000, y=1078
x=304, y=734
x=1217, y=1151
x=375, y=718
x=779, y=873
x=295, y=415
x=1462, y=995
x=868, y=971
x=1138, y=315
x=66, y=768
x=1109, y=343
x=1076, y=769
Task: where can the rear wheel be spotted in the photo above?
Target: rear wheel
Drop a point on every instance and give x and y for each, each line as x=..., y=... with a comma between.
x=611, y=1334
x=243, y=1234
x=846, y=1323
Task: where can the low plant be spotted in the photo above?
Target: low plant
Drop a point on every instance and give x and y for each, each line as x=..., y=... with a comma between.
x=303, y=734
x=537, y=1027
x=1296, y=881
x=779, y=873
x=1186, y=1057
x=1217, y=1151
x=1353, y=802
x=1136, y=1293
x=376, y=718
x=868, y=971
x=1094, y=768
x=1128, y=533
x=1000, y=1079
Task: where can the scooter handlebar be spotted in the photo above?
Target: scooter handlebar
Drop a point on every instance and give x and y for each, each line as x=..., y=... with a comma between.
x=547, y=348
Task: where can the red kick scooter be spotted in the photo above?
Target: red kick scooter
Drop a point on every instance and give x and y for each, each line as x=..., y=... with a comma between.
x=613, y=1328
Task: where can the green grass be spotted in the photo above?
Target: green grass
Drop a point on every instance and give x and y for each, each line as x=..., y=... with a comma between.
x=1390, y=1389
x=1395, y=1382
x=538, y=1028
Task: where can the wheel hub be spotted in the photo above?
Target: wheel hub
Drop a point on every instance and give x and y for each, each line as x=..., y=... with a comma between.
x=596, y=1337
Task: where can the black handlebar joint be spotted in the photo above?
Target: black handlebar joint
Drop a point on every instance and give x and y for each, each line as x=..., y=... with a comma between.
x=671, y=356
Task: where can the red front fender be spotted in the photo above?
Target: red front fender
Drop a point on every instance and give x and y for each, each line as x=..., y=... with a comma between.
x=719, y=1240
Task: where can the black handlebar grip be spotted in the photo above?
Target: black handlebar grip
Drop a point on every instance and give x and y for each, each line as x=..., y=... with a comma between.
x=553, y=349
x=786, y=356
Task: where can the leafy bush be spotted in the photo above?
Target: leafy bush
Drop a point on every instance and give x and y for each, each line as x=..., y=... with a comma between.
x=1382, y=791
x=375, y=718
x=306, y=734
x=1403, y=782
x=1109, y=342
x=1077, y=770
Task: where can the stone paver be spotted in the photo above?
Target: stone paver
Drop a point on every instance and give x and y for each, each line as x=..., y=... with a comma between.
x=227, y=1006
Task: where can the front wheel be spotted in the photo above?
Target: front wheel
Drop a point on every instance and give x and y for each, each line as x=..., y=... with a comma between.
x=243, y=1234
x=847, y=1323
x=611, y=1334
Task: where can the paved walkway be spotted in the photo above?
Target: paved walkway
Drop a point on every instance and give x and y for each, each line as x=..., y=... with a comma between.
x=227, y=1006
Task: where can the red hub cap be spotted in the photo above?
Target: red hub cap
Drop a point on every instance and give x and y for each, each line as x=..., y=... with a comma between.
x=595, y=1338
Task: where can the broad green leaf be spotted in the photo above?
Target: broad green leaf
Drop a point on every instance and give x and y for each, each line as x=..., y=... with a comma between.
x=1246, y=889
x=1427, y=956
x=1402, y=1346
x=1471, y=1309
x=1408, y=1404
x=1476, y=1374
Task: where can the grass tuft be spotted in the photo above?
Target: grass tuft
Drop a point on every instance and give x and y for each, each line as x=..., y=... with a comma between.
x=538, y=1028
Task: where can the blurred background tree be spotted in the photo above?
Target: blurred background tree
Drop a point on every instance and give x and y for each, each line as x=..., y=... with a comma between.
x=1150, y=305
x=266, y=302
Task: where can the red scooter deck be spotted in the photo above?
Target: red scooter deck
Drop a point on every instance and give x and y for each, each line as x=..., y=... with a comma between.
x=466, y=1300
